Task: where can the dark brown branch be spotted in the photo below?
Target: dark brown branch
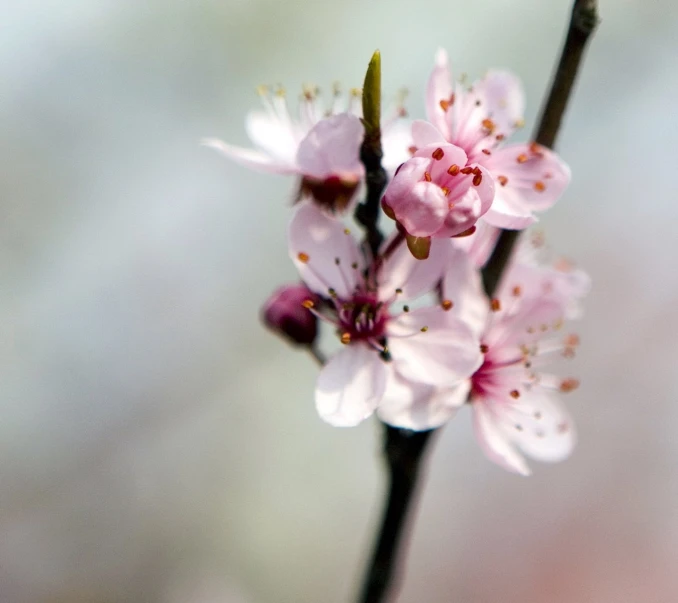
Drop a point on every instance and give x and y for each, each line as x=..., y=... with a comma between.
x=583, y=21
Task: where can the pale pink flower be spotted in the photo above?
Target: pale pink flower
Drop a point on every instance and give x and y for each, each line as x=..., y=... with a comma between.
x=528, y=176
x=321, y=146
x=436, y=193
x=428, y=345
x=515, y=405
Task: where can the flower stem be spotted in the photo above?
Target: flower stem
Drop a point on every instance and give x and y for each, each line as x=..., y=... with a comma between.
x=583, y=21
x=404, y=449
x=367, y=213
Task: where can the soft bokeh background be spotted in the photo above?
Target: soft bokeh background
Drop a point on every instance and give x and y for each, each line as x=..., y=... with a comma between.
x=157, y=445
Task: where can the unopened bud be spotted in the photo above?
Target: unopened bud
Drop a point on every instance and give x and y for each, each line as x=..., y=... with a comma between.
x=288, y=312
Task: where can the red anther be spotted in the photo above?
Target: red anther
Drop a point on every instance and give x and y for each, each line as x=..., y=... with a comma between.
x=539, y=186
x=495, y=304
x=503, y=180
x=453, y=170
x=303, y=257
x=447, y=304
x=427, y=177
x=438, y=154
x=477, y=179
x=522, y=158
x=568, y=385
x=467, y=170
x=487, y=151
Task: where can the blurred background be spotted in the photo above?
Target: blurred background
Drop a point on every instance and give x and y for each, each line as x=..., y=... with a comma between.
x=158, y=446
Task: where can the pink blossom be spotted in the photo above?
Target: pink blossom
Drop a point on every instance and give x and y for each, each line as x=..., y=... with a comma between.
x=321, y=146
x=436, y=193
x=528, y=176
x=425, y=345
x=515, y=405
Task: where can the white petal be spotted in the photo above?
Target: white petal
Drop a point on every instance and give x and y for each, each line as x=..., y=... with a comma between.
x=494, y=442
x=462, y=285
x=413, y=277
x=332, y=147
x=396, y=140
x=250, y=158
x=417, y=406
x=424, y=133
x=547, y=431
x=350, y=386
x=445, y=352
x=316, y=242
x=275, y=136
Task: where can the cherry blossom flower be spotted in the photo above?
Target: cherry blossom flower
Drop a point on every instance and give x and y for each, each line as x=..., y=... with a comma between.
x=436, y=193
x=321, y=146
x=479, y=119
x=515, y=406
x=426, y=345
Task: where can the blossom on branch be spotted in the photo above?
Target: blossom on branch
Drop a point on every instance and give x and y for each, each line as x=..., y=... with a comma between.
x=321, y=146
x=528, y=177
x=381, y=338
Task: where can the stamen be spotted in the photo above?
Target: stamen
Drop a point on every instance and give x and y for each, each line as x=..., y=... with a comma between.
x=495, y=305
x=345, y=338
x=517, y=291
x=488, y=124
x=347, y=231
x=568, y=385
x=503, y=180
x=427, y=177
x=406, y=308
x=446, y=191
x=337, y=261
x=535, y=149
x=308, y=304
x=484, y=348
x=487, y=151
x=453, y=170
x=477, y=179
x=466, y=171
x=438, y=154
x=332, y=293
x=303, y=257
x=515, y=394
x=519, y=123
x=398, y=291
x=499, y=137
x=447, y=304
x=522, y=158
x=412, y=150
x=424, y=329
x=539, y=186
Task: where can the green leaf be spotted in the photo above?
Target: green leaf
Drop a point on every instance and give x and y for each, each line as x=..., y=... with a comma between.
x=372, y=97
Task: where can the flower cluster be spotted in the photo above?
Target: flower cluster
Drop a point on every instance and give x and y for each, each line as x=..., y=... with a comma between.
x=417, y=338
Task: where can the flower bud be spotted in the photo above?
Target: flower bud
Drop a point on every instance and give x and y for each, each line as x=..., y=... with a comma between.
x=285, y=314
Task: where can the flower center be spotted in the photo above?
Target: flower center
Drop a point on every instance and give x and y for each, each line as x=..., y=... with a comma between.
x=497, y=380
x=361, y=318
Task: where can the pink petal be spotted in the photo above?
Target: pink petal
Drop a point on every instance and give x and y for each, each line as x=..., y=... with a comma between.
x=396, y=140
x=417, y=406
x=420, y=206
x=332, y=147
x=323, y=252
x=480, y=245
x=547, y=432
x=439, y=88
x=504, y=100
x=462, y=285
x=350, y=386
x=424, y=134
x=411, y=276
x=508, y=211
x=275, y=136
x=250, y=158
x=430, y=345
x=535, y=177
x=494, y=442
x=534, y=319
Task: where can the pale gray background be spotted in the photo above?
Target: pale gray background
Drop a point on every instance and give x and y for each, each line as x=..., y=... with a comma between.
x=157, y=445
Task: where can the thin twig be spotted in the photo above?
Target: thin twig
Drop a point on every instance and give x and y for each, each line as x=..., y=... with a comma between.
x=405, y=449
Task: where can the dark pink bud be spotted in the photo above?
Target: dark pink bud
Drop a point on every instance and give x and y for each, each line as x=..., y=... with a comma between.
x=288, y=312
